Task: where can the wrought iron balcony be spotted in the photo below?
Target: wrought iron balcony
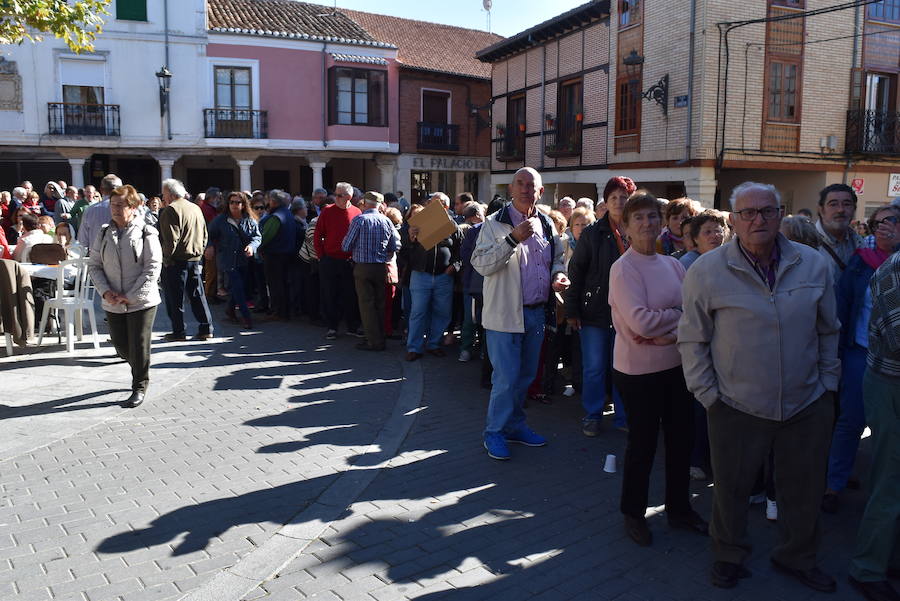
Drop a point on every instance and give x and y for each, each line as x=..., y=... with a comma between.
x=564, y=140
x=437, y=136
x=72, y=119
x=510, y=145
x=873, y=132
x=235, y=123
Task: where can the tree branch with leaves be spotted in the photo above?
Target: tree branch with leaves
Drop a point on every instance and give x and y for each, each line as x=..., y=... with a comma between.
x=76, y=23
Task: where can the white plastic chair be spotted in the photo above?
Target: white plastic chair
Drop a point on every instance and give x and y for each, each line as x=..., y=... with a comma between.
x=72, y=302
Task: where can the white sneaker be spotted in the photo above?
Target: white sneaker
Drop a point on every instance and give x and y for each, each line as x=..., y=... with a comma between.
x=569, y=391
x=464, y=356
x=697, y=473
x=771, y=510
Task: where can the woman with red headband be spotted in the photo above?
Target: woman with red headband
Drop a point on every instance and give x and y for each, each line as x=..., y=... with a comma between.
x=587, y=304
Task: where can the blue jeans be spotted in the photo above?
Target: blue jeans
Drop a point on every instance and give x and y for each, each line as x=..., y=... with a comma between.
x=596, y=360
x=236, y=287
x=432, y=304
x=515, y=359
x=851, y=421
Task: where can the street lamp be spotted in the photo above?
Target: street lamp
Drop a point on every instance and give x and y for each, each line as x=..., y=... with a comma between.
x=163, y=76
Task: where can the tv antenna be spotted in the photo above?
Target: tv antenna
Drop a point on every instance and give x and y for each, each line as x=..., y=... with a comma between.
x=487, y=4
x=333, y=12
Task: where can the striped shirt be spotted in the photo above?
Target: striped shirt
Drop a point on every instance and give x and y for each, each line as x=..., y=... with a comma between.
x=884, y=325
x=372, y=238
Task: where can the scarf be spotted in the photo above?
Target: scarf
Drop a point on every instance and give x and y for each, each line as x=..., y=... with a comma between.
x=873, y=257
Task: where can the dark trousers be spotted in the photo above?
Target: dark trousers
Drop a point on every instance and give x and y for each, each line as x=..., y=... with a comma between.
x=739, y=446
x=295, y=293
x=260, y=292
x=651, y=400
x=278, y=273
x=310, y=288
x=182, y=277
x=338, y=293
x=130, y=334
x=370, y=278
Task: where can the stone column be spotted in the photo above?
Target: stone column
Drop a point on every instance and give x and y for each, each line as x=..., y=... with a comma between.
x=244, y=166
x=549, y=196
x=702, y=187
x=387, y=170
x=165, y=168
x=483, y=194
x=77, y=172
x=317, y=167
x=404, y=181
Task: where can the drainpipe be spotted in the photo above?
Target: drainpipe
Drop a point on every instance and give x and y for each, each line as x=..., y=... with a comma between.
x=166, y=44
x=855, y=57
x=690, y=107
x=324, y=100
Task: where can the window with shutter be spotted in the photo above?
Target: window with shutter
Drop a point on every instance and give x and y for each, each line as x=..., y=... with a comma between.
x=131, y=10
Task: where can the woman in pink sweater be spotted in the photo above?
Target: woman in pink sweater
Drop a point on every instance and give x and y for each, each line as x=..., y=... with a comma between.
x=645, y=297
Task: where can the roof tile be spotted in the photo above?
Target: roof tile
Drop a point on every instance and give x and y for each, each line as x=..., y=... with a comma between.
x=430, y=46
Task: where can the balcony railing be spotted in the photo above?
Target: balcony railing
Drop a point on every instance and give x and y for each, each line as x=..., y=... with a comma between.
x=873, y=132
x=510, y=145
x=437, y=136
x=235, y=123
x=72, y=119
x=564, y=140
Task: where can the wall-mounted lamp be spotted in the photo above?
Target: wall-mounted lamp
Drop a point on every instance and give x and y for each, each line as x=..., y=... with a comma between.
x=659, y=92
x=475, y=112
x=164, y=76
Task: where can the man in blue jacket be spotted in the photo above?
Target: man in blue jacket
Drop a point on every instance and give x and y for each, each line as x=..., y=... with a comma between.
x=279, y=232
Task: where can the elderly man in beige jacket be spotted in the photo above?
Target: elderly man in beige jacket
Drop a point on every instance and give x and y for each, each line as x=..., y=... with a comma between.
x=521, y=258
x=758, y=341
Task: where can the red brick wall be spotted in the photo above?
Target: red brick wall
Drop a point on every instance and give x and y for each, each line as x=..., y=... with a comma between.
x=477, y=91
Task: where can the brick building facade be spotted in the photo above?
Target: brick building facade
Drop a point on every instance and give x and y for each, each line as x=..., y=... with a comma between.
x=805, y=97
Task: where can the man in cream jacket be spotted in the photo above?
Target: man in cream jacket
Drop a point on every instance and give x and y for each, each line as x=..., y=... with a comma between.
x=521, y=258
x=758, y=341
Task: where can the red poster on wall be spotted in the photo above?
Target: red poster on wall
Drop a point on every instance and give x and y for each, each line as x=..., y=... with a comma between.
x=858, y=184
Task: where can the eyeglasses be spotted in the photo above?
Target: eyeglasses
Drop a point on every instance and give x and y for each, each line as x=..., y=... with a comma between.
x=259, y=208
x=892, y=219
x=766, y=212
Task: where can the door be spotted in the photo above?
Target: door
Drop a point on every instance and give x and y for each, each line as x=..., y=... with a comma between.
x=435, y=111
x=234, y=103
x=881, y=120
x=83, y=110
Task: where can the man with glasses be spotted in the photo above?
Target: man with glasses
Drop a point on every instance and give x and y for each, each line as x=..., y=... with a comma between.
x=335, y=264
x=758, y=341
x=837, y=206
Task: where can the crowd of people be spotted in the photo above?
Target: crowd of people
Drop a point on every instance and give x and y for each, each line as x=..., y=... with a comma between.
x=761, y=344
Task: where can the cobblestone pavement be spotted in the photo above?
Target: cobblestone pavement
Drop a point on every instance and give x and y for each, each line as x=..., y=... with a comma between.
x=446, y=522
x=245, y=435
x=238, y=435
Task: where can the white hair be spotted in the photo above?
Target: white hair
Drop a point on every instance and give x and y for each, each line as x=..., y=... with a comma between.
x=19, y=191
x=585, y=202
x=175, y=188
x=344, y=187
x=282, y=197
x=445, y=200
x=742, y=189
x=566, y=201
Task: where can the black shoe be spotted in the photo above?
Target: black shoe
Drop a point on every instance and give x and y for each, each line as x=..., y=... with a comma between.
x=853, y=483
x=364, y=346
x=875, y=591
x=814, y=578
x=136, y=398
x=725, y=574
x=689, y=521
x=175, y=337
x=202, y=336
x=636, y=529
x=830, y=502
